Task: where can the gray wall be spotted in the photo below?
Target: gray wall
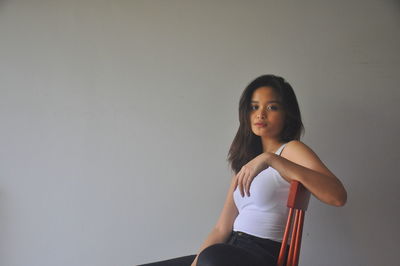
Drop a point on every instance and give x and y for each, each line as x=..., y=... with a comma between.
x=116, y=118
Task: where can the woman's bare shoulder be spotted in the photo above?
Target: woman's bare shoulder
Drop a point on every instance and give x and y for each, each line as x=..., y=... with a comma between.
x=293, y=148
x=300, y=153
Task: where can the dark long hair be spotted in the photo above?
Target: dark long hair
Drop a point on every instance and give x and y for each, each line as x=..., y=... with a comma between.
x=246, y=145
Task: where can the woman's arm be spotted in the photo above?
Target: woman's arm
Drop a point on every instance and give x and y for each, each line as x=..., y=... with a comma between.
x=223, y=228
x=299, y=162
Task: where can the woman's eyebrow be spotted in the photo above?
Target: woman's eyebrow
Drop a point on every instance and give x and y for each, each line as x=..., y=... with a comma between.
x=267, y=102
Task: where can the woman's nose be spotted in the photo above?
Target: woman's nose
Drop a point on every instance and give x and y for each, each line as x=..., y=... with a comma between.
x=261, y=114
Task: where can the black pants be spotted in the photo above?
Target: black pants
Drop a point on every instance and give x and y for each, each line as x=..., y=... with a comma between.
x=241, y=249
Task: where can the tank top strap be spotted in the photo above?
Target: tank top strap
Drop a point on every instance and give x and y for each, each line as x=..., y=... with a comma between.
x=278, y=152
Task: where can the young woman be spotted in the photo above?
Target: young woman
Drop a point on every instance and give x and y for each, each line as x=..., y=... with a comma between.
x=266, y=154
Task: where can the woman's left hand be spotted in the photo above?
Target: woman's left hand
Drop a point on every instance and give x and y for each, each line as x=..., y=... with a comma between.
x=250, y=170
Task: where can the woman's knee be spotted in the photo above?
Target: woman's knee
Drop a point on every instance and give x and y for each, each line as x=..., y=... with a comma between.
x=215, y=255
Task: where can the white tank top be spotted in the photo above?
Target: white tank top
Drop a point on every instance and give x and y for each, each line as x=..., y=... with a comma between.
x=264, y=213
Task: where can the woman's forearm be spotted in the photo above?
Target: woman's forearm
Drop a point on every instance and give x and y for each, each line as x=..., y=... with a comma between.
x=326, y=188
x=214, y=237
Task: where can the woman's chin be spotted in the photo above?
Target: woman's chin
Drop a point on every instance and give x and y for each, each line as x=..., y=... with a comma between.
x=260, y=135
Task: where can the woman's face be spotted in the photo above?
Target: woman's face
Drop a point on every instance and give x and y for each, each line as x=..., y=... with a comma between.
x=267, y=110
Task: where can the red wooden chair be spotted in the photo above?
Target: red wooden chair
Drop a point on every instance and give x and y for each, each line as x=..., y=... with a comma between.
x=297, y=203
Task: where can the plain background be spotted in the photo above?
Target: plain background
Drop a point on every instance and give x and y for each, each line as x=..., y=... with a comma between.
x=116, y=119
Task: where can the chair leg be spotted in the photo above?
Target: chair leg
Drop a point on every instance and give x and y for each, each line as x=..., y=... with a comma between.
x=299, y=231
x=282, y=252
x=293, y=240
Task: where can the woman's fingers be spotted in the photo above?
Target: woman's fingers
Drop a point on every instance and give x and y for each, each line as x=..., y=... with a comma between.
x=241, y=184
x=243, y=181
x=247, y=185
x=246, y=181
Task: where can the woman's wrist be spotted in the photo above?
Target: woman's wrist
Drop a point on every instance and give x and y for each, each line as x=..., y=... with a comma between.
x=268, y=158
x=281, y=164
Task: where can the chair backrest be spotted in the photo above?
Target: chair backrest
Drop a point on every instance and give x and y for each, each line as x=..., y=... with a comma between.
x=297, y=203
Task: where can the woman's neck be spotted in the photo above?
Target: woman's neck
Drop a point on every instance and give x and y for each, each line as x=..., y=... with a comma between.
x=270, y=145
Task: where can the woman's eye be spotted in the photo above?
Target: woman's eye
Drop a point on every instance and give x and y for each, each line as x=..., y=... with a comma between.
x=269, y=107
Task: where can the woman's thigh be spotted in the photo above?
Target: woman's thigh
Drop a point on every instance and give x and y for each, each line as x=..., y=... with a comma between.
x=229, y=255
x=180, y=261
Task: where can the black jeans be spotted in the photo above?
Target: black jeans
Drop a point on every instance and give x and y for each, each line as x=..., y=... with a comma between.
x=241, y=249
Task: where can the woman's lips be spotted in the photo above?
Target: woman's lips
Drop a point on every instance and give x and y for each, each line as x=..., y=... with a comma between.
x=260, y=124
